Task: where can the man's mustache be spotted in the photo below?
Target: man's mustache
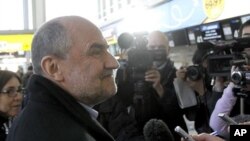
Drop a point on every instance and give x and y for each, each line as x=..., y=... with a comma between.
x=107, y=73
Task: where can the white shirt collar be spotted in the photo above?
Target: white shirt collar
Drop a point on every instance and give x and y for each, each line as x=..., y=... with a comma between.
x=93, y=113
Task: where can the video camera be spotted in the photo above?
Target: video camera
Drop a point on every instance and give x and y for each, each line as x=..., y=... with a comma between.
x=226, y=54
x=140, y=59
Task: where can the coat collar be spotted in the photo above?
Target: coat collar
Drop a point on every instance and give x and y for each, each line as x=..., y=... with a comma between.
x=41, y=87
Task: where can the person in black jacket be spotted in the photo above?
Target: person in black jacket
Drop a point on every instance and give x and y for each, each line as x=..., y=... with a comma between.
x=73, y=71
x=125, y=114
x=10, y=100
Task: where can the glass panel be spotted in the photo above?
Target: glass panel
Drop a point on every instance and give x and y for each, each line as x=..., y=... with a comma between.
x=11, y=15
x=84, y=8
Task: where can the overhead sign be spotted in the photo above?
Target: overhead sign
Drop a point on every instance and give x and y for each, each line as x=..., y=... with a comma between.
x=211, y=31
x=16, y=42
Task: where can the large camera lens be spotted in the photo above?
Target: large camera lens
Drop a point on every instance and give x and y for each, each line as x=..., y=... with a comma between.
x=194, y=72
x=236, y=77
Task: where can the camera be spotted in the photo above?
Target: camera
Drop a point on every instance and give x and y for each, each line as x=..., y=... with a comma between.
x=194, y=72
x=140, y=59
x=227, y=54
x=220, y=65
x=240, y=78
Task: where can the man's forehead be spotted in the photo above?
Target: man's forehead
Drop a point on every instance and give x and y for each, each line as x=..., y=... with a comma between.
x=157, y=40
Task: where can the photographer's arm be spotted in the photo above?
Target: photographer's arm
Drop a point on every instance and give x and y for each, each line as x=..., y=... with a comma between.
x=224, y=105
x=195, y=85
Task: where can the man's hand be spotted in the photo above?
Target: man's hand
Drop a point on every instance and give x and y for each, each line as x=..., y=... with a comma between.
x=219, y=84
x=154, y=76
x=181, y=73
x=196, y=85
x=206, y=137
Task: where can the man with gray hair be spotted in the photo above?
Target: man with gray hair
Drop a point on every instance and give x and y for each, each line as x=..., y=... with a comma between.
x=73, y=71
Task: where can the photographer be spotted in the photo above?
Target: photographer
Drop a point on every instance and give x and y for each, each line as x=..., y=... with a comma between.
x=197, y=77
x=229, y=103
x=125, y=114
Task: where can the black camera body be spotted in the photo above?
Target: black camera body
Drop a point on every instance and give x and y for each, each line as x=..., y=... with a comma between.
x=220, y=65
x=141, y=59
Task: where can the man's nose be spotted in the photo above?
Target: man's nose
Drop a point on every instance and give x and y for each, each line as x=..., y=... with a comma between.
x=111, y=62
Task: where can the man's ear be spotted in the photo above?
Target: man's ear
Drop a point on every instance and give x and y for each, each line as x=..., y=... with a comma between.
x=50, y=67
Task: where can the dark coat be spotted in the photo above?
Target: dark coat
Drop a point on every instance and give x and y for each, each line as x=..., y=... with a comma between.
x=124, y=117
x=201, y=113
x=54, y=115
x=3, y=128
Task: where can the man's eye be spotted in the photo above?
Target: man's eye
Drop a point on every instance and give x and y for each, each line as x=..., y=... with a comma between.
x=96, y=51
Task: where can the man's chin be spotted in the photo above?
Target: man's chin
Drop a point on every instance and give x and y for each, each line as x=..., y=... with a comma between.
x=105, y=96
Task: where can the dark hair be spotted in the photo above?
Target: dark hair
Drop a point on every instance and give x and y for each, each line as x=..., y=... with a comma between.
x=5, y=76
x=200, y=54
x=245, y=24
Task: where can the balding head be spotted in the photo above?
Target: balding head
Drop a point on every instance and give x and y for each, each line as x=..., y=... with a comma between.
x=55, y=38
x=71, y=52
x=157, y=40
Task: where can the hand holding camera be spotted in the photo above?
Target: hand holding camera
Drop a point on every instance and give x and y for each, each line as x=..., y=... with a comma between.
x=154, y=76
x=181, y=73
x=193, y=76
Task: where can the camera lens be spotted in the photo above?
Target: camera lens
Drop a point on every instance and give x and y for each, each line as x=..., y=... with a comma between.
x=193, y=73
x=236, y=77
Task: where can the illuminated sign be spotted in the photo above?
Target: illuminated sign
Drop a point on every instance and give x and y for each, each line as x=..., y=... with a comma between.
x=16, y=42
x=211, y=31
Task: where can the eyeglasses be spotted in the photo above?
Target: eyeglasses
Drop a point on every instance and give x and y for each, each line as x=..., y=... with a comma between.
x=12, y=91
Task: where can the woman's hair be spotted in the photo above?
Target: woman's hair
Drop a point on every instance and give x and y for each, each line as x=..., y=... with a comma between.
x=5, y=76
x=200, y=55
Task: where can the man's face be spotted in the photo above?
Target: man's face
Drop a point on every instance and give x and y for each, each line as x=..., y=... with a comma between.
x=157, y=40
x=88, y=68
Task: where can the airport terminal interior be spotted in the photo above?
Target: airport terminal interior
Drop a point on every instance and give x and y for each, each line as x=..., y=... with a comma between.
x=186, y=23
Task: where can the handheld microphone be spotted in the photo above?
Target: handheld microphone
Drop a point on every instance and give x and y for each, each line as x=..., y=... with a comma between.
x=157, y=130
x=227, y=119
x=183, y=133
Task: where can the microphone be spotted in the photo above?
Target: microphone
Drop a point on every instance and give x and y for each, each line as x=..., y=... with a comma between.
x=157, y=130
